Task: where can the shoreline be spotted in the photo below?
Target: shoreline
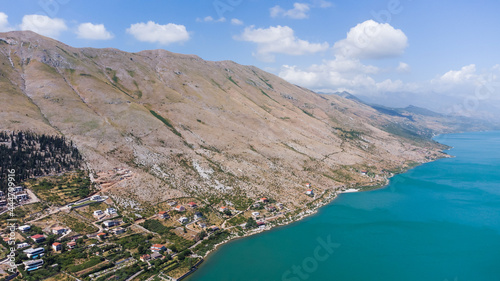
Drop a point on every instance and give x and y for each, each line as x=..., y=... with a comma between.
x=334, y=194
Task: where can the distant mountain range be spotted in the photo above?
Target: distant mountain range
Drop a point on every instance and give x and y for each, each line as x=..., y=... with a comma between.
x=220, y=131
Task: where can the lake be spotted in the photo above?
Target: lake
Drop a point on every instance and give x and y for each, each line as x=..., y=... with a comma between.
x=439, y=221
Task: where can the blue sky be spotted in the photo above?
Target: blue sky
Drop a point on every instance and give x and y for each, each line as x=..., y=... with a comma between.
x=395, y=52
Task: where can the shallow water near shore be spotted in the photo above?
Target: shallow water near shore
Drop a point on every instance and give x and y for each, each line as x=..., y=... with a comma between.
x=439, y=221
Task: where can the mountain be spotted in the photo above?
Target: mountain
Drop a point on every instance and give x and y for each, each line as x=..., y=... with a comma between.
x=218, y=131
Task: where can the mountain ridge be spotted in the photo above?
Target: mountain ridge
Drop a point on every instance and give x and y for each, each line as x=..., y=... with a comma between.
x=185, y=126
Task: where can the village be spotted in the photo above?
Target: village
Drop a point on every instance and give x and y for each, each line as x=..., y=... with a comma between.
x=93, y=239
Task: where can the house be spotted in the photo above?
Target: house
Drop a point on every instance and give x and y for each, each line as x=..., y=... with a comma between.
x=180, y=208
x=214, y=228
x=172, y=203
x=155, y=256
x=98, y=213
x=118, y=230
x=308, y=185
x=255, y=214
x=38, y=238
x=95, y=198
x=145, y=258
x=21, y=197
x=364, y=172
x=163, y=215
x=57, y=247
x=110, y=223
x=101, y=235
x=157, y=248
x=223, y=209
x=203, y=225
x=256, y=205
x=34, y=253
x=71, y=245
x=310, y=192
x=198, y=216
x=22, y=245
x=3, y=203
x=58, y=230
x=183, y=220
x=33, y=265
x=192, y=204
x=270, y=208
x=18, y=189
x=264, y=200
x=280, y=205
x=260, y=223
x=24, y=228
x=110, y=211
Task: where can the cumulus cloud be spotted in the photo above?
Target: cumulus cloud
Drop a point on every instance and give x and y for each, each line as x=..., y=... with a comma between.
x=93, y=32
x=4, y=23
x=372, y=40
x=44, y=25
x=403, y=67
x=210, y=19
x=236, y=22
x=278, y=40
x=299, y=11
x=333, y=75
x=466, y=73
x=155, y=33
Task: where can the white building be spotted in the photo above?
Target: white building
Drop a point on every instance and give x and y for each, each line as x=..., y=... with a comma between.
x=98, y=213
x=24, y=228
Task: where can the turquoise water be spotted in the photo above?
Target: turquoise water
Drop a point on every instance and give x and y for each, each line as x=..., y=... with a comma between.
x=439, y=221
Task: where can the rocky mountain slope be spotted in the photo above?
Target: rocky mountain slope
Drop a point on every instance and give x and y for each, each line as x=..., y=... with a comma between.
x=184, y=126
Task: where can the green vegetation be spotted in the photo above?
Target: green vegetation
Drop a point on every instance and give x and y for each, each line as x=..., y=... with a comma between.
x=91, y=262
x=231, y=79
x=348, y=134
x=63, y=189
x=251, y=223
x=32, y=155
x=308, y=113
x=166, y=122
x=209, y=243
x=157, y=227
x=120, y=275
x=265, y=94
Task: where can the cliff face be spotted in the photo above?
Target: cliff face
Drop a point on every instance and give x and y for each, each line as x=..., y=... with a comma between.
x=185, y=126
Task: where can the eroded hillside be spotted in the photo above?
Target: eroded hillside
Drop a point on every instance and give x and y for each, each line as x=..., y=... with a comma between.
x=188, y=127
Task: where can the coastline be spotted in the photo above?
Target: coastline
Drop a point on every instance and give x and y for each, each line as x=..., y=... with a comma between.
x=304, y=213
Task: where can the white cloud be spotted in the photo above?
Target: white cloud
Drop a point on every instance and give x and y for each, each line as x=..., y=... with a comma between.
x=236, y=22
x=278, y=40
x=340, y=73
x=403, y=67
x=299, y=11
x=51, y=27
x=4, y=23
x=372, y=40
x=210, y=19
x=93, y=32
x=466, y=73
x=155, y=33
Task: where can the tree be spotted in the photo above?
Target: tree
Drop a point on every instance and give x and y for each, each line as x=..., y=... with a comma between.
x=251, y=223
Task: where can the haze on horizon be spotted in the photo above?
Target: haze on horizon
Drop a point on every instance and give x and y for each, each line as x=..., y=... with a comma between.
x=442, y=56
